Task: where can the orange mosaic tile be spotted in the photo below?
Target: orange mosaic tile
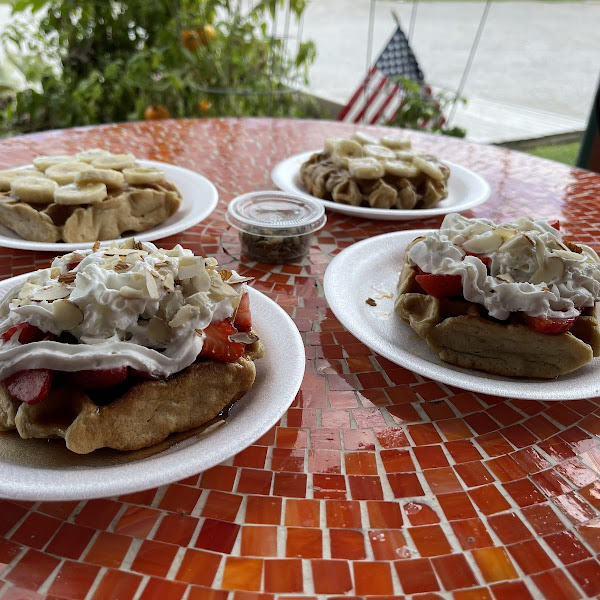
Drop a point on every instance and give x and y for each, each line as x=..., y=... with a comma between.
x=377, y=482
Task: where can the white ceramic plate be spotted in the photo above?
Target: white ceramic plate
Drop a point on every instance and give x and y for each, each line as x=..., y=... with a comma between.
x=199, y=199
x=370, y=269
x=38, y=470
x=466, y=189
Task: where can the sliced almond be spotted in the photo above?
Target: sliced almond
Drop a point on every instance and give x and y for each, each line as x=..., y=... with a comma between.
x=129, y=292
x=550, y=271
x=506, y=277
x=190, y=266
x=184, y=314
x=483, y=244
x=67, y=315
x=120, y=266
x=568, y=255
x=151, y=285
x=50, y=294
x=67, y=278
x=159, y=331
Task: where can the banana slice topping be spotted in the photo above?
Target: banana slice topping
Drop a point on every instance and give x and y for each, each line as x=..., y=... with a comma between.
x=65, y=172
x=114, y=161
x=80, y=193
x=44, y=162
x=365, y=168
x=36, y=190
x=143, y=175
x=109, y=177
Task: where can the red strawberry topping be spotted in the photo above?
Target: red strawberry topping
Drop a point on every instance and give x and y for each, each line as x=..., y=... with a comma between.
x=550, y=326
x=217, y=344
x=27, y=333
x=243, y=319
x=440, y=285
x=30, y=386
x=96, y=379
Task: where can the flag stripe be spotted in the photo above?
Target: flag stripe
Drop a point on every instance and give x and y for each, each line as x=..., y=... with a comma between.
x=393, y=93
x=357, y=95
x=372, y=97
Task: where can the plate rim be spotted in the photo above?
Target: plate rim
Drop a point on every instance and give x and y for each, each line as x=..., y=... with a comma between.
x=157, y=232
x=171, y=465
x=437, y=370
x=283, y=182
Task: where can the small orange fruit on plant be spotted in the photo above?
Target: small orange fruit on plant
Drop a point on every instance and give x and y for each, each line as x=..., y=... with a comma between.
x=204, y=105
x=190, y=39
x=156, y=112
x=207, y=34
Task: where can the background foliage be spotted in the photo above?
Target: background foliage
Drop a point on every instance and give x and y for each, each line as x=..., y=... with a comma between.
x=97, y=62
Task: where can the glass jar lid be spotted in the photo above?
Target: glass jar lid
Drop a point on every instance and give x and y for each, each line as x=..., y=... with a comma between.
x=275, y=213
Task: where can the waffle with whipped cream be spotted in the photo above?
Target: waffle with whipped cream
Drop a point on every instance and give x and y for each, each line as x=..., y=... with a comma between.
x=376, y=173
x=92, y=195
x=120, y=346
x=515, y=299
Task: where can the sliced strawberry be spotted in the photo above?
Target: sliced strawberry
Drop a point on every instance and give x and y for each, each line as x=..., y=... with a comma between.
x=97, y=379
x=243, y=319
x=217, y=344
x=26, y=333
x=30, y=386
x=440, y=285
x=554, y=223
x=486, y=260
x=550, y=326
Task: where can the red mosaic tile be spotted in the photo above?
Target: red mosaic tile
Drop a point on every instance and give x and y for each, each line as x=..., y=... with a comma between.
x=180, y=498
x=524, y=492
x=555, y=585
x=384, y=515
x=457, y=505
x=343, y=514
x=59, y=510
x=454, y=572
x=254, y=481
x=242, y=574
x=222, y=506
x=389, y=544
x=220, y=477
x=430, y=457
x=263, y=510
x=472, y=594
x=329, y=486
x=474, y=473
x=108, y=549
x=117, y=584
x=505, y=469
x=302, y=542
x=488, y=499
x=32, y=569
x=8, y=552
x=494, y=444
x=463, y=451
x=373, y=578
x=331, y=576
x=404, y=413
x=360, y=463
x=198, y=567
x=443, y=481
x=576, y=509
x=291, y=485
x=35, y=530
x=73, y=580
x=389, y=437
x=137, y=521
x=543, y=519
x=576, y=472
x=284, y=459
x=587, y=574
x=509, y=528
x=405, y=485
x=510, y=590
x=531, y=557
x=347, y=543
x=397, y=461
x=98, y=514
x=550, y=483
x=567, y=547
x=424, y=434
x=145, y=497
x=259, y=541
x=218, y=536
x=420, y=514
x=359, y=439
x=416, y=575
x=365, y=487
x=324, y=461
x=494, y=564
x=154, y=558
x=158, y=589
x=430, y=540
x=70, y=541
x=283, y=575
x=199, y=593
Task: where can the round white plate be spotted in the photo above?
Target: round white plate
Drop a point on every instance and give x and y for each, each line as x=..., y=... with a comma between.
x=199, y=199
x=466, y=189
x=38, y=470
x=370, y=269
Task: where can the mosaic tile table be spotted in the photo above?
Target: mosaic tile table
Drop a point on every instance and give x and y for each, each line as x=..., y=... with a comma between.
x=377, y=482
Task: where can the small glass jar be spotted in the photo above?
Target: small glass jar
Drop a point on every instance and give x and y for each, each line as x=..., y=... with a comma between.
x=275, y=227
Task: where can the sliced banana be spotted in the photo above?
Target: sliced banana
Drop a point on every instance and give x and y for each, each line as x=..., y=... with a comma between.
x=345, y=151
x=37, y=190
x=114, y=161
x=91, y=155
x=400, y=168
x=395, y=143
x=109, y=177
x=7, y=176
x=364, y=138
x=407, y=155
x=379, y=152
x=64, y=173
x=428, y=168
x=80, y=193
x=143, y=175
x=44, y=162
x=331, y=144
x=365, y=168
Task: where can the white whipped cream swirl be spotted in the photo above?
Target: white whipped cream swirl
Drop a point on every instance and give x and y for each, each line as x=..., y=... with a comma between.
x=532, y=269
x=131, y=305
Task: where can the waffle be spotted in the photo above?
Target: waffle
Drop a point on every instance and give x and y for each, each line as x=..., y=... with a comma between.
x=142, y=416
x=461, y=333
x=135, y=208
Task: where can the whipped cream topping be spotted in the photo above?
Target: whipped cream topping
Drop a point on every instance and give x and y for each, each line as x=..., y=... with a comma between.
x=532, y=269
x=127, y=305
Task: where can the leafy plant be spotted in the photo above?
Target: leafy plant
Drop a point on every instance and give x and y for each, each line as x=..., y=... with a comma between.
x=423, y=108
x=98, y=62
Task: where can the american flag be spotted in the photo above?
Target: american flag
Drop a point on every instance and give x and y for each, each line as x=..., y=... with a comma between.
x=377, y=98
